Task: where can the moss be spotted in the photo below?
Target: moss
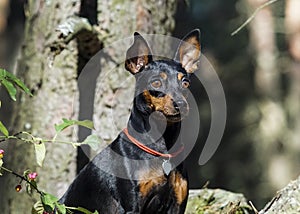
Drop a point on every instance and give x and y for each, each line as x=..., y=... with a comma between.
x=208, y=201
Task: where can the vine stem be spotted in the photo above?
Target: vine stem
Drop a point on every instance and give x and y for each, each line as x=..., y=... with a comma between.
x=22, y=177
x=34, y=140
x=252, y=16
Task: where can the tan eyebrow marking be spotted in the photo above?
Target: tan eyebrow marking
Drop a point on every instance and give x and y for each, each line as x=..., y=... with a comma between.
x=180, y=76
x=163, y=75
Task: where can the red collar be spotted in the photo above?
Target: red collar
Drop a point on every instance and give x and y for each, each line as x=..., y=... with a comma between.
x=149, y=150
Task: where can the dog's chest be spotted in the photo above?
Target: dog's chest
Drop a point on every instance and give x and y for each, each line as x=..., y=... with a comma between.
x=153, y=182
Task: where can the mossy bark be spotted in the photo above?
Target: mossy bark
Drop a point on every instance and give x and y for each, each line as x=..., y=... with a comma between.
x=287, y=200
x=52, y=80
x=50, y=71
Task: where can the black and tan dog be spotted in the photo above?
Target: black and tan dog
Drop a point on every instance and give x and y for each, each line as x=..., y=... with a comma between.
x=136, y=172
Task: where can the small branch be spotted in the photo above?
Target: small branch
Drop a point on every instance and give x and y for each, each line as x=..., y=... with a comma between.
x=252, y=16
x=69, y=30
x=253, y=207
x=72, y=26
x=35, y=140
x=22, y=177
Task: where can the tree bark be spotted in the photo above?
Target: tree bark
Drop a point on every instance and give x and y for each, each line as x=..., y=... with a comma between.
x=52, y=81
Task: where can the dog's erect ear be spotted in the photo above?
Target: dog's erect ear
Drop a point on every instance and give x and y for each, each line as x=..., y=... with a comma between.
x=138, y=55
x=188, y=52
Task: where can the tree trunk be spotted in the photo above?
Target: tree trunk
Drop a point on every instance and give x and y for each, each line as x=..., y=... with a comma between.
x=52, y=79
x=54, y=86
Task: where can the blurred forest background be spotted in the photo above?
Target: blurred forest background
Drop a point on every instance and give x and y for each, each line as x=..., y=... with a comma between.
x=259, y=68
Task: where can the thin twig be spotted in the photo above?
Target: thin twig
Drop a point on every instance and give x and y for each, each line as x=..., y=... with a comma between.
x=34, y=139
x=252, y=16
x=253, y=207
x=23, y=178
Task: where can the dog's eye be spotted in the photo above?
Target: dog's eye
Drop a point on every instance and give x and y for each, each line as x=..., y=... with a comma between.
x=185, y=83
x=156, y=84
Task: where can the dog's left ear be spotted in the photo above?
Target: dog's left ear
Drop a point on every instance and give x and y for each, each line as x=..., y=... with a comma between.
x=188, y=51
x=138, y=55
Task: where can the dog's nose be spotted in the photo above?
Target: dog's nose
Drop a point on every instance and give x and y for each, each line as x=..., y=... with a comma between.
x=179, y=104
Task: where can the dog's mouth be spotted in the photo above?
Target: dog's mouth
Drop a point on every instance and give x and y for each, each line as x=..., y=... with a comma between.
x=171, y=117
x=177, y=117
x=174, y=118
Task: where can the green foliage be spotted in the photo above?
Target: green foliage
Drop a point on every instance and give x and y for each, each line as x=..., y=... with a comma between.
x=37, y=208
x=93, y=141
x=1, y=163
x=86, y=211
x=40, y=153
x=3, y=129
x=67, y=123
x=31, y=184
x=48, y=203
x=10, y=82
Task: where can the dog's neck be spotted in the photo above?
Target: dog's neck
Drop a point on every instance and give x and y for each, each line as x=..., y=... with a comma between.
x=148, y=130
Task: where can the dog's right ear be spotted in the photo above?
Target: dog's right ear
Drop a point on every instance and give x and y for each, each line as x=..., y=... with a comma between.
x=188, y=52
x=138, y=55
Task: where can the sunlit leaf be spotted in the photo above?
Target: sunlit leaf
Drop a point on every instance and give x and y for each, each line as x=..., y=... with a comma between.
x=37, y=208
x=86, y=123
x=19, y=83
x=3, y=129
x=83, y=210
x=67, y=123
x=40, y=152
x=61, y=208
x=12, y=91
x=1, y=163
x=8, y=78
x=93, y=141
x=29, y=188
x=49, y=201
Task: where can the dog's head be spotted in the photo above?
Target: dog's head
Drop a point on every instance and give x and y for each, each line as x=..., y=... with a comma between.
x=161, y=85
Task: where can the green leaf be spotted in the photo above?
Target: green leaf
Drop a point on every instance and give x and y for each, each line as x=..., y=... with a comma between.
x=19, y=83
x=9, y=77
x=93, y=141
x=37, y=208
x=12, y=91
x=86, y=123
x=1, y=163
x=40, y=153
x=61, y=208
x=29, y=187
x=49, y=201
x=67, y=123
x=3, y=129
x=81, y=209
